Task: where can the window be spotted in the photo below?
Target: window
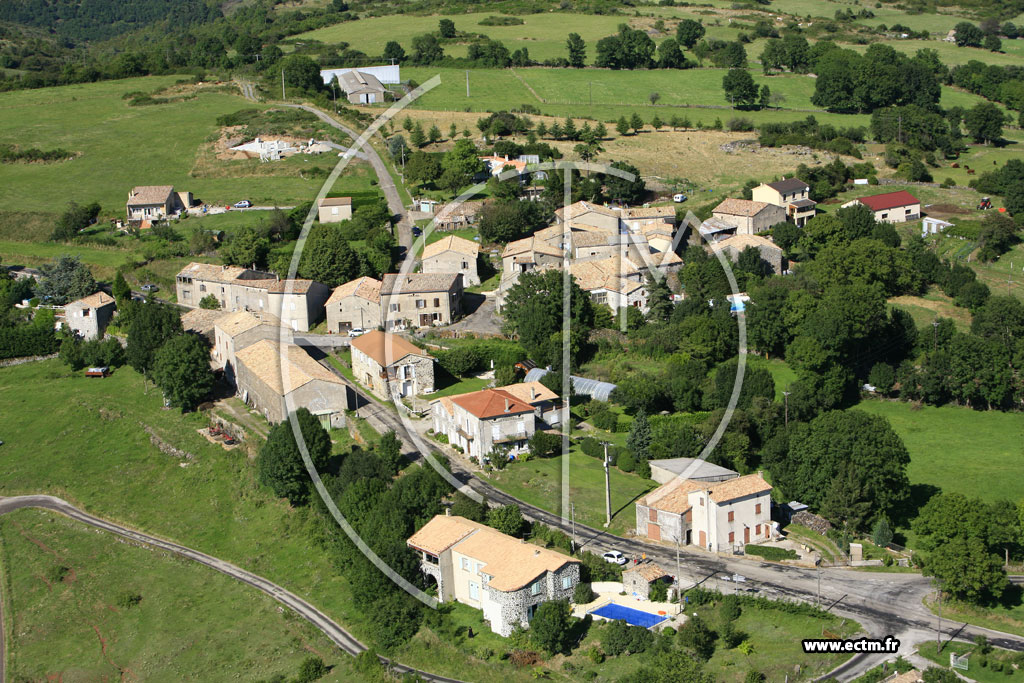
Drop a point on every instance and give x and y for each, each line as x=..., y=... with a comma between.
x=395, y=308
x=757, y=509
x=421, y=303
x=465, y=265
x=202, y=288
x=474, y=590
x=520, y=427
x=535, y=588
x=652, y=514
x=566, y=582
x=437, y=303
x=495, y=431
x=702, y=502
x=731, y=516
x=884, y=216
x=465, y=564
x=757, y=529
x=732, y=537
x=479, y=566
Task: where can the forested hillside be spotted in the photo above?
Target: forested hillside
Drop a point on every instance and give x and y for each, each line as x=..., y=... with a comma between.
x=87, y=20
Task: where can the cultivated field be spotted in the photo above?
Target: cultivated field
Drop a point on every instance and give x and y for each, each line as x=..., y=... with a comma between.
x=192, y=623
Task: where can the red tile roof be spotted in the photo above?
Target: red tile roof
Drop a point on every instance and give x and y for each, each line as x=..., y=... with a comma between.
x=889, y=200
x=492, y=403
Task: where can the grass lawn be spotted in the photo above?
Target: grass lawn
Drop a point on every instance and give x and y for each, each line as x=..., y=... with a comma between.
x=1008, y=616
x=539, y=482
x=83, y=440
x=925, y=309
x=981, y=674
x=452, y=386
x=31, y=254
x=780, y=371
x=974, y=452
x=807, y=536
x=192, y=623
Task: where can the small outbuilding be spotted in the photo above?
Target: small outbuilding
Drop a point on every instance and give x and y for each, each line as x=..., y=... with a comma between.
x=638, y=579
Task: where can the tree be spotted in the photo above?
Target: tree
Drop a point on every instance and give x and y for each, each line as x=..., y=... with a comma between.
x=508, y=220
x=765, y=98
x=544, y=445
x=120, y=289
x=622, y=126
x=417, y=137
x=209, y=303
x=464, y=506
x=533, y=310
x=74, y=219
x=549, y=628
x=435, y=134
x=247, y=247
x=984, y=122
x=446, y=28
x=625, y=190
x=636, y=123
x=881, y=535
x=670, y=56
x=882, y=377
x=423, y=168
x=583, y=593
x=654, y=97
x=639, y=439
x=66, y=279
x=460, y=164
x=312, y=669
x=992, y=43
x=280, y=465
x=739, y=87
x=302, y=73
x=696, y=636
x=507, y=519
x=328, y=258
x=390, y=451
x=393, y=52
x=967, y=570
x=453, y=131
x=577, y=50
x=181, y=368
x=426, y=49
x=151, y=325
x=688, y=32
x=968, y=35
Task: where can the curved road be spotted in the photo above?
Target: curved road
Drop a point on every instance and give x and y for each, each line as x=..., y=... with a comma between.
x=342, y=638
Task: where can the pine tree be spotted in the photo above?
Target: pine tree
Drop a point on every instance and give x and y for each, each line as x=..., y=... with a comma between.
x=569, y=129
x=636, y=123
x=639, y=439
x=542, y=130
x=407, y=124
x=622, y=126
x=416, y=137
x=452, y=131
x=555, y=131
x=600, y=131
x=656, y=123
x=435, y=134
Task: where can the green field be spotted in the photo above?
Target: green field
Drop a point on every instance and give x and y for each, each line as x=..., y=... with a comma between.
x=973, y=452
x=84, y=440
x=192, y=623
x=781, y=373
x=122, y=146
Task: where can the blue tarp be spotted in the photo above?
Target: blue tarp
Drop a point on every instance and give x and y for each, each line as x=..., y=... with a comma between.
x=633, y=617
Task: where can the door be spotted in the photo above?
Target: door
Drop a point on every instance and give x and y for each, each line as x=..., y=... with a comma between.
x=746, y=534
x=406, y=388
x=653, y=532
x=703, y=539
x=425, y=319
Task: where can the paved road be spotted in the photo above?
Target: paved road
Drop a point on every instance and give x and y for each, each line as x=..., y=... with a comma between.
x=384, y=180
x=339, y=636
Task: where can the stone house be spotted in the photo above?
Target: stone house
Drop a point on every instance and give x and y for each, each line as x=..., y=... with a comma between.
x=276, y=378
x=586, y=213
x=453, y=254
x=792, y=194
x=458, y=216
x=298, y=304
x=505, y=577
x=733, y=246
x=529, y=253
x=233, y=332
x=637, y=579
x=334, y=209
x=389, y=365
x=544, y=401
x=354, y=305
x=891, y=207
x=637, y=218
x=420, y=299
x=720, y=516
x=153, y=203
x=88, y=317
x=749, y=217
x=480, y=421
x=612, y=282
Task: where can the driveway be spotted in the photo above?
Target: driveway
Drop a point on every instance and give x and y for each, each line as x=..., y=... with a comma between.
x=482, y=317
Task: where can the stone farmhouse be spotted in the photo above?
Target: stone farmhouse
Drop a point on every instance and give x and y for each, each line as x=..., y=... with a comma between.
x=420, y=299
x=355, y=305
x=89, y=316
x=389, y=365
x=792, y=194
x=334, y=209
x=271, y=376
x=611, y=282
x=505, y=577
x=891, y=207
x=733, y=246
x=749, y=217
x=719, y=516
x=233, y=332
x=298, y=304
x=453, y=254
x=155, y=203
x=480, y=422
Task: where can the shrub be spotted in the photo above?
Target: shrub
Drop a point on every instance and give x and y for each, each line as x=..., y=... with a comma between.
x=659, y=591
x=209, y=302
x=731, y=608
x=594, y=654
x=606, y=420
x=582, y=594
x=128, y=599
x=740, y=124
x=771, y=553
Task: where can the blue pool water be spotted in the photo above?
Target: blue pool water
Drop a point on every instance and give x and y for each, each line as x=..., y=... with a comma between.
x=633, y=617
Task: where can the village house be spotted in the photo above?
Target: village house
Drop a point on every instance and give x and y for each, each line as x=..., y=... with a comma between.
x=276, y=378
x=637, y=218
x=891, y=207
x=496, y=166
x=361, y=87
x=458, y=216
x=720, y=516
x=544, y=401
x=734, y=246
x=611, y=282
x=453, y=254
x=420, y=299
x=354, y=305
x=521, y=256
x=88, y=317
x=792, y=194
x=481, y=421
x=388, y=365
x=505, y=577
x=233, y=332
x=298, y=304
x=586, y=213
x=749, y=217
x=637, y=579
x=334, y=209
x=155, y=203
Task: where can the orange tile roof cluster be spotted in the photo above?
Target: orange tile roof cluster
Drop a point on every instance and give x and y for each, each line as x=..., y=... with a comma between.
x=740, y=207
x=582, y=207
x=648, y=570
x=606, y=274
x=233, y=324
x=497, y=164
x=488, y=403
x=741, y=242
x=95, y=300
x=363, y=287
x=385, y=348
x=270, y=360
x=511, y=563
x=451, y=243
x=530, y=392
x=674, y=495
x=889, y=200
x=529, y=245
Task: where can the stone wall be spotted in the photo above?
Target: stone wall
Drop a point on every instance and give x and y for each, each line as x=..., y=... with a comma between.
x=514, y=606
x=812, y=521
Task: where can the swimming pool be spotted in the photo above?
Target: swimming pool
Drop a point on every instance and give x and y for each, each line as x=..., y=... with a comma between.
x=633, y=617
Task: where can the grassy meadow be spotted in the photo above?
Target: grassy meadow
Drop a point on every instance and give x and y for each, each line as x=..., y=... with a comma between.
x=69, y=619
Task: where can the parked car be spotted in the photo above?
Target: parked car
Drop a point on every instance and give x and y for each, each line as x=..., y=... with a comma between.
x=150, y=288
x=102, y=371
x=416, y=231
x=244, y=204
x=679, y=198
x=356, y=331
x=614, y=557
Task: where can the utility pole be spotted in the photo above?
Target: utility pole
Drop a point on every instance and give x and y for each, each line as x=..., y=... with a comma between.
x=282, y=85
x=590, y=87
x=467, y=82
x=899, y=129
x=785, y=397
x=935, y=335
x=607, y=490
x=679, y=579
x=572, y=508
x=817, y=566
x=938, y=632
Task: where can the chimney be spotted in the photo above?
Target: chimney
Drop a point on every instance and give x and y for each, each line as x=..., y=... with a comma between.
x=533, y=393
x=506, y=405
x=447, y=512
x=506, y=157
